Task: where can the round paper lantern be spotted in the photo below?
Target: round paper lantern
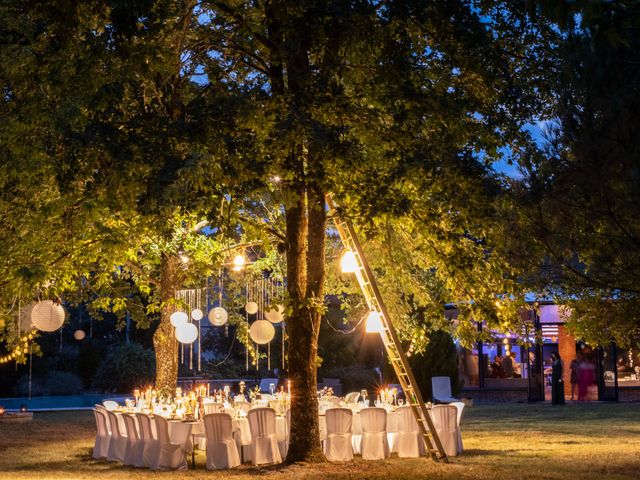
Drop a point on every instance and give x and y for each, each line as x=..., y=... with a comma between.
x=251, y=308
x=218, y=316
x=178, y=318
x=262, y=331
x=186, y=333
x=275, y=315
x=79, y=335
x=47, y=316
x=197, y=314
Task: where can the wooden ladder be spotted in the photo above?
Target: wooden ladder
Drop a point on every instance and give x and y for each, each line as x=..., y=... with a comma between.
x=388, y=334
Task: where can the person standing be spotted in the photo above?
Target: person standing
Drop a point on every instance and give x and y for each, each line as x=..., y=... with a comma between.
x=557, y=384
x=574, y=374
x=507, y=365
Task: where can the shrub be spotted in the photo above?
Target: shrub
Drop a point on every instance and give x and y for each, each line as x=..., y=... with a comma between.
x=440, y=358
x=125, y=367
x=56, y=382
x=353, y=378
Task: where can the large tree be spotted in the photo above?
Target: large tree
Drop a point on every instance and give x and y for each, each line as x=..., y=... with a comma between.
x=398, y=108
x=580, y=225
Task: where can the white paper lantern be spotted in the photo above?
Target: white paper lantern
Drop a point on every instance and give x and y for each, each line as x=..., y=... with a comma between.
x=47, y=316
x=79, y=335
x=197, y=314
x=186, y=333
x=251, y=308
x=262, y=331
x=178, y=318
x=218, y=316
x=275, y=315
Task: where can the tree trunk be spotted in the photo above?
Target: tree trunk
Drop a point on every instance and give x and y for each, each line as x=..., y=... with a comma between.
x=164, y=340
x=306, y=222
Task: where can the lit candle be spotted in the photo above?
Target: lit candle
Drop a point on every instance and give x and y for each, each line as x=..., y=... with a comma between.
x=208, y=386
x=289, y=387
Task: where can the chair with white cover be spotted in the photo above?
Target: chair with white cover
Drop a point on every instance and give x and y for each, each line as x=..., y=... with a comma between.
x=265, y=384
x=374, y=445
x=118, y=443
x=264, y=441
x=409, y=441
x=460, y=407
x=150, y=444
x=110, y=405
x=441, y=388
x=169, y=455
x=445, y=421
x=222, y=451
x=103, y=436
x=133, y=453
x=352, y=397
x=337, y=445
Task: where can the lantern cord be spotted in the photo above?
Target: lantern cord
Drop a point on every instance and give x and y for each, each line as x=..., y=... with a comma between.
x=346, y=332
x=30, y=368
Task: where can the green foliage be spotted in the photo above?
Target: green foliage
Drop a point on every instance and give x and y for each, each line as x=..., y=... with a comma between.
x=126, y=366
x=576, y=227
x=440, y=358
x=55, y=382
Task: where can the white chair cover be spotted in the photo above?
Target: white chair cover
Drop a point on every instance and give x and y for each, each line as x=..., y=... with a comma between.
x=169, y=455
x=118, y=443
x=264, y=441
x=150, y=447
x=441, y=388
x=103, y=436
x=337, y=446
x=375, y=445
x=409, y=441
x=460, y=407
x=110, y=405
x=133, y=453
x=352, y=397
x=265, y=383
x=445, y=420
x=222, y=451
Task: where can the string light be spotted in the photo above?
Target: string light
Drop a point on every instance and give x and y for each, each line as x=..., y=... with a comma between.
x=238, y=262
x=374, y=323
x=348, y=262
x=20, y=350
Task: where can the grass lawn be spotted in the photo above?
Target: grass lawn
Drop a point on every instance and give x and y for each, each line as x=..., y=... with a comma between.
x=591, y=441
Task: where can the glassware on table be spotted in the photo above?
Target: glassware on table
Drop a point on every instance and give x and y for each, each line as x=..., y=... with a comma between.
x=364, y=394
x=400, y=402
x=272, y=388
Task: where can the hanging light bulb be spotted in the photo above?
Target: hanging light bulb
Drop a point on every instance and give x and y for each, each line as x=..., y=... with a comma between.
x=374, y=323
x=348, y=262
x=238, y=262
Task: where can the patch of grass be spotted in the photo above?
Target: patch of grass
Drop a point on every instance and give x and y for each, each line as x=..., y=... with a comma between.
x=514, y=441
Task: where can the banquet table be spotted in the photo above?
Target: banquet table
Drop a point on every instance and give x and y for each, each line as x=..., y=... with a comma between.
x=186, y=433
